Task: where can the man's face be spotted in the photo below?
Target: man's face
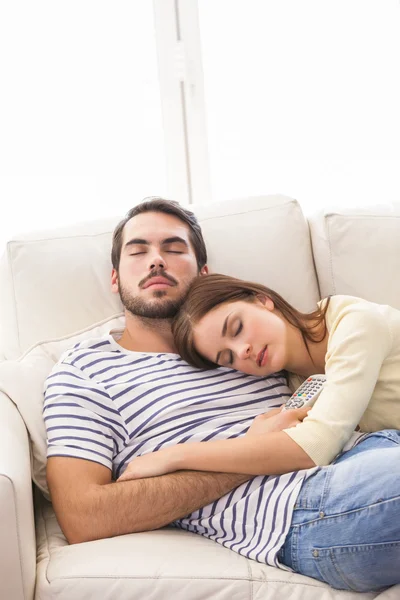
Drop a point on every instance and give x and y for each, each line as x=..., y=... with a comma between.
x=157, y=265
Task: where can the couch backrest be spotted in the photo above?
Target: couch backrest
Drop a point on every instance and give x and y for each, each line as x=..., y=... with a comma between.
x=357, y=252
x=56, y=282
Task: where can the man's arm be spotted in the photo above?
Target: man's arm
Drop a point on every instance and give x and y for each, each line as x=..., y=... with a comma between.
x=89, y=506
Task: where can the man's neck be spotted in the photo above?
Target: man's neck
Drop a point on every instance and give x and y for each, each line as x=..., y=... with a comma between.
x=147, y=335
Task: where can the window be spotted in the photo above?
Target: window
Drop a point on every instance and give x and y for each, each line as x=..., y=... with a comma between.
x=105, y=103
x=302, y=98
x=81, y=132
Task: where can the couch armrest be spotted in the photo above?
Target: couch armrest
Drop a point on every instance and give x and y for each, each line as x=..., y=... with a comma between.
x=17, y=539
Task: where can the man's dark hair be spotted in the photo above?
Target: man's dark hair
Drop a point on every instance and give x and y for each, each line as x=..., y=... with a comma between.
x=168, y=207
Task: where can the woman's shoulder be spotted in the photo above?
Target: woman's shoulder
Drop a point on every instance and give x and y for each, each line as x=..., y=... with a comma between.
x=356, y=312
x=342, y=300
x=351, y=312
x=344, y=304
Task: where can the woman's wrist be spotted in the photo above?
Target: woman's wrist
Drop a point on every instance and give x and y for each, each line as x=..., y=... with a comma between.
x=176, y=457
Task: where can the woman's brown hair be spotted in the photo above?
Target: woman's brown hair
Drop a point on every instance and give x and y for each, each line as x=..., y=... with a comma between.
x=209, y=291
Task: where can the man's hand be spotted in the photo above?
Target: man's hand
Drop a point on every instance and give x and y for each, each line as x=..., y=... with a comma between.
x=277, y=420
x=152, y=464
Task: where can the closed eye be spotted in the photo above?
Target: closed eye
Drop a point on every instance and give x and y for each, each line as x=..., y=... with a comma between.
x=229, y=362
x=174, y=252
x=239, y=329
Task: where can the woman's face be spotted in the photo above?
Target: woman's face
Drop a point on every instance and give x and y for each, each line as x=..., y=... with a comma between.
x=247, y=336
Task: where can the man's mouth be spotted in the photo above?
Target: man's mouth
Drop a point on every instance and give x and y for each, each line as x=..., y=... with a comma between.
x=158, y=283
x=262, y=357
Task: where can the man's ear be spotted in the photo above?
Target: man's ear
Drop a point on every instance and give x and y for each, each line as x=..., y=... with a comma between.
x=204, y=270
x=114, y=281
x=265, y=301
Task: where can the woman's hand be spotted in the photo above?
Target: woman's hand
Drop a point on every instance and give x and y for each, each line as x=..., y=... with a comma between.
x=277, y=420
x=150, y=465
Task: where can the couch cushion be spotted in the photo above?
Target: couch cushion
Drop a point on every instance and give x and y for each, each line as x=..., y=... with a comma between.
x=54, y=283
x=57, y=282
x=357, y=252
x=160, y=565
x=264, y=239
x=22, y=380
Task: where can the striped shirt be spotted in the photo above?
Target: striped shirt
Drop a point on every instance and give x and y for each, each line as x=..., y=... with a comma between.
x=108, y=405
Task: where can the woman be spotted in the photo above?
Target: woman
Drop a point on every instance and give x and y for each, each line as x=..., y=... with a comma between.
x=345, y=526
x=251, y=328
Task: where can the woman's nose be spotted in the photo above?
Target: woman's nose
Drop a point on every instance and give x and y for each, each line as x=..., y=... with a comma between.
x=244, y=351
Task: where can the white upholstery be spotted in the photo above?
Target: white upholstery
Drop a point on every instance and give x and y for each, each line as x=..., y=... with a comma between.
x=56, y=283
x=166, y=564
x=263, y=239
x=17, y=539
x=23, y=380
x=357, y=252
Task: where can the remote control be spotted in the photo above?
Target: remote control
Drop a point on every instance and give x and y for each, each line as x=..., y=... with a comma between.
x=307, y=393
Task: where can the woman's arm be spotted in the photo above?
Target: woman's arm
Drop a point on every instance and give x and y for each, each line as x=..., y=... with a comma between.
x=264, y=450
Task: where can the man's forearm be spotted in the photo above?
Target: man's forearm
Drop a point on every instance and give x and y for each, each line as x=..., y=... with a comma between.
x=146, y=504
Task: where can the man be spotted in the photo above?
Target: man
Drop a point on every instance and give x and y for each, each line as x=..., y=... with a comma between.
x=157, y=250
x=111, y=399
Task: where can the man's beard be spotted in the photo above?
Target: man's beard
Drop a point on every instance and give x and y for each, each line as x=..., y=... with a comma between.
x=147, y=308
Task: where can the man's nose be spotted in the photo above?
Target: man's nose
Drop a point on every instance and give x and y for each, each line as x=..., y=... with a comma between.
x=156, y=262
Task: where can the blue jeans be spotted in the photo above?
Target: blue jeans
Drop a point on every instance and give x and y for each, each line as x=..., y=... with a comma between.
x=345, y=528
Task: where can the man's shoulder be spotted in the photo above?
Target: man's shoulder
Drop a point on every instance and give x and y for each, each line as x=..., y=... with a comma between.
x=70, y=367
x=84, y=349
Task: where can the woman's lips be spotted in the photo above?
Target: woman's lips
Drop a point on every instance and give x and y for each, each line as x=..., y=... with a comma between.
x=262, y=357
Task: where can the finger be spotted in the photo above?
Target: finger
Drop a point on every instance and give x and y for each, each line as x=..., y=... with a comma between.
x=303, y=410
x=126, y=477
x=301, y=413
x=270, y=413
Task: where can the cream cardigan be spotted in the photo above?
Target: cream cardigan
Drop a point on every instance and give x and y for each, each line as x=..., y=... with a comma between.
x=362, y=366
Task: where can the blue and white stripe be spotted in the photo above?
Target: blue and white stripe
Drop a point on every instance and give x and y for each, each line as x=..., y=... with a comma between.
x=108, y=405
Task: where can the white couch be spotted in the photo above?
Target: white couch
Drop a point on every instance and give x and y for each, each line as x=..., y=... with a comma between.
x=55, y=283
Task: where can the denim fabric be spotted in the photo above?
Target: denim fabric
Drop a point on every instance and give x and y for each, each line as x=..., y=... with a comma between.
x=345, y=528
